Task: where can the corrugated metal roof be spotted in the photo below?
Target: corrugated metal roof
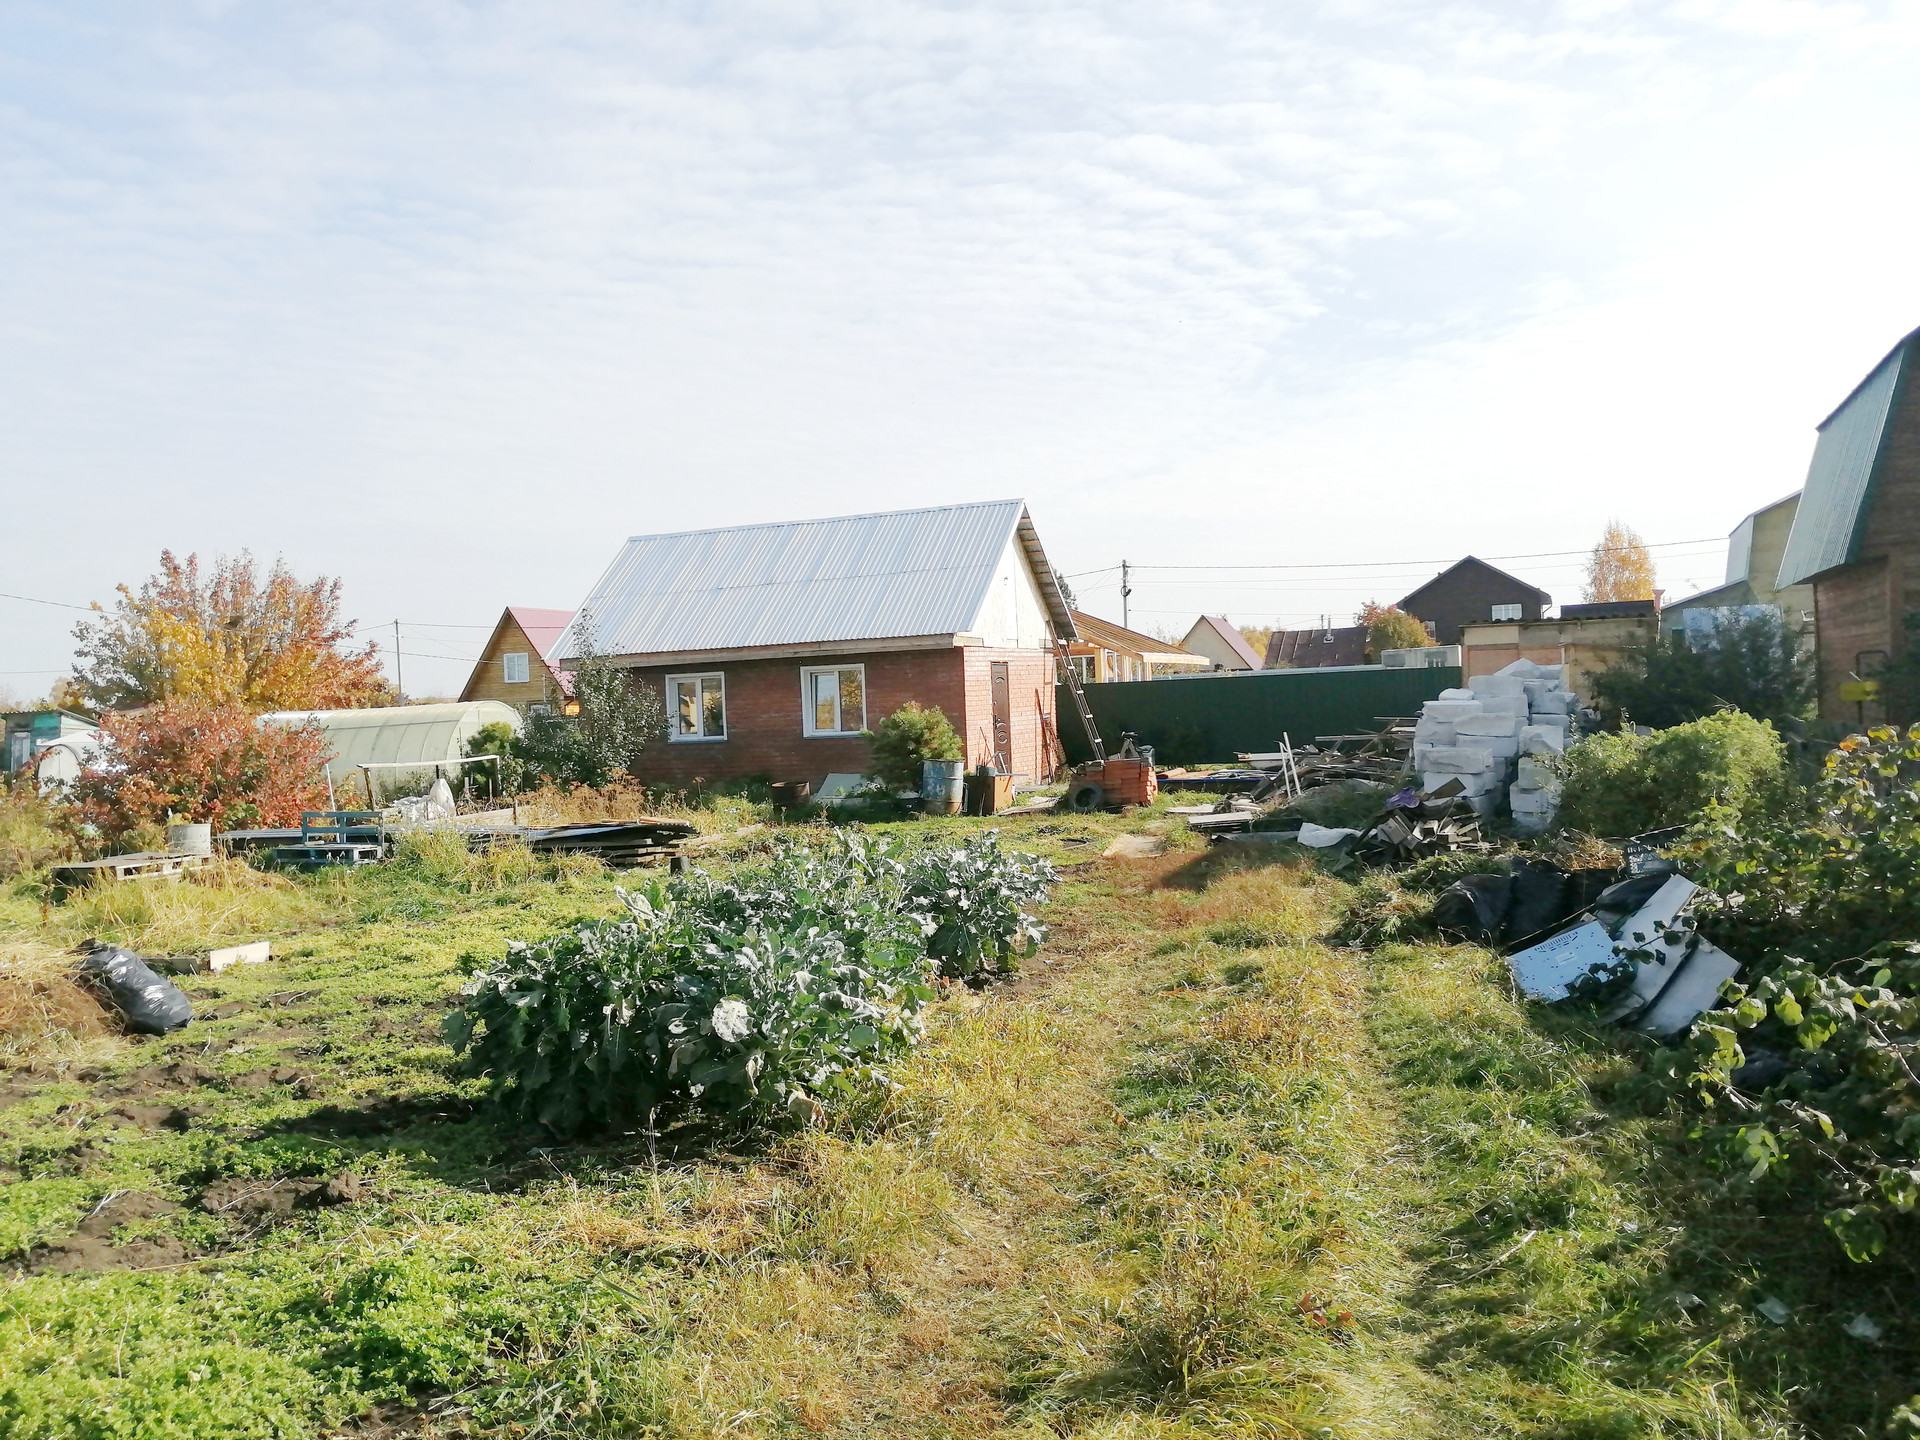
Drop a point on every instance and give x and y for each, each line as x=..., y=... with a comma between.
x=1833, y=506
x=859, y=577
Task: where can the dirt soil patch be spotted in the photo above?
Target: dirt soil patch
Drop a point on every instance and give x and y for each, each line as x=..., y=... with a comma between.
x=253, y=1199
x=90, y=1248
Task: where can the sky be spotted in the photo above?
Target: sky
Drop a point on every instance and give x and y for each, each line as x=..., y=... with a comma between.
x=447, y=299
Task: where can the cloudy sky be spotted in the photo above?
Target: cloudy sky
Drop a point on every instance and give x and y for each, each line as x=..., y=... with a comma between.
x=445, y=299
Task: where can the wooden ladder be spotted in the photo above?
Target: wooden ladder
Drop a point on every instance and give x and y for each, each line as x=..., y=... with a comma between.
x=1064, y=658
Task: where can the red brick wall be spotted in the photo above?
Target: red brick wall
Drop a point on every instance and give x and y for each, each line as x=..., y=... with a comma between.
x=764, y=721
x=1030, y=676
x=764, y=735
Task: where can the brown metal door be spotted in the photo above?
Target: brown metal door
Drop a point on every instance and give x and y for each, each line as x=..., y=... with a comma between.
x=1002, y=718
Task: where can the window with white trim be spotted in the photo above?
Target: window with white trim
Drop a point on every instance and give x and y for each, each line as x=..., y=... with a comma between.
x=513, y=668
x=833, y=700
x=1083, y=667
x=1508, y=612
x=697, y=707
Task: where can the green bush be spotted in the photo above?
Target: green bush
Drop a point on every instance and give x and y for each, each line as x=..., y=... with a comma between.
x=1625, y=784
x=1822, y=905
x=1755, y=664
x=786, y=985
x=904, y=740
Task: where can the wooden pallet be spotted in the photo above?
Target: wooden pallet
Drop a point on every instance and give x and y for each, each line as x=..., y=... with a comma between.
x=147, y=865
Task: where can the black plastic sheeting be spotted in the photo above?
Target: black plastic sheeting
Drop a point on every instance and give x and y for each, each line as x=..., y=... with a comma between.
x=150, y=1003
x=1528, y=904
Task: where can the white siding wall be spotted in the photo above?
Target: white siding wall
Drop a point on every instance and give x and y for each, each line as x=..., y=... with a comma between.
x=1013, y=617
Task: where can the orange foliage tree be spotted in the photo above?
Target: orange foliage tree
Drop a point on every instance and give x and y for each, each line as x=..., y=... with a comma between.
x=1620, y=567
x=1391, y=628
x=212, y=764
x=234, y=636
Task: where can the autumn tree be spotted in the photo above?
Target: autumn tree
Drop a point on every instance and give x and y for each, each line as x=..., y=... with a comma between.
x=234, y=636
x=1390, y=628
x=1620, y=567
x=203, y=764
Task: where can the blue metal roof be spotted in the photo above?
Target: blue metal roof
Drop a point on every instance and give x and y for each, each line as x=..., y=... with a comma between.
x=1833, y=506
x=896, y=575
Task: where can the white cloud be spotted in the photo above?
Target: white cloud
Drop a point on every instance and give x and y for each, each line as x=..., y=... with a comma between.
x=446, y=299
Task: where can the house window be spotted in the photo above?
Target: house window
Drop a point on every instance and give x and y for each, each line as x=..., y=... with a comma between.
x=513, y=668
x=1083, y=667
x=697, y=707
x=833, y=702
x=1508, y=612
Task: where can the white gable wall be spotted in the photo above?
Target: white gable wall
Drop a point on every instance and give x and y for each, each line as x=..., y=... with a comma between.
x=1013, y=616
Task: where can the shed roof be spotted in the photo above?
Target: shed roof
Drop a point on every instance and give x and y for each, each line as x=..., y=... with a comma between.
x=1095, y=631
x=1324, y=648
x=896, y=575
x=1833, y=506
x=1514, y=580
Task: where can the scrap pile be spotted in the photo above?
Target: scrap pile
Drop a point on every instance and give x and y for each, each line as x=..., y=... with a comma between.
x=1375, y=755
x=1497, y=731
x=620, y=844
x=1625, y=939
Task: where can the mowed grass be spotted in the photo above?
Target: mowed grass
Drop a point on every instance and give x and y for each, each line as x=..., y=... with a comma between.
x=1196, y=1172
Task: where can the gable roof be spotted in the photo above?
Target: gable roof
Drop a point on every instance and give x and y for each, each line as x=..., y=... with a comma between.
x=1095, y=631
x=1315, y=649
x=895, y=575
x=1833, y=506
x=1236, y=642
x=1413, y=596
x=541, y=627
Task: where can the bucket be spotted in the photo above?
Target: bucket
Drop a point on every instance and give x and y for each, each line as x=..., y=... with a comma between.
x=189, y=839
x=942, y=785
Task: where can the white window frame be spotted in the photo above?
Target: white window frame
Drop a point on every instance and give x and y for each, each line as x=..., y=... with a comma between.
x=507, y=676
x=1494, y=612
x=698, y=677
x=1086, y=667
x=807, y=672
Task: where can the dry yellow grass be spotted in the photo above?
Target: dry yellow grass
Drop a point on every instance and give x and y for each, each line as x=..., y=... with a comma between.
x=44, y=1009
x=216, y=904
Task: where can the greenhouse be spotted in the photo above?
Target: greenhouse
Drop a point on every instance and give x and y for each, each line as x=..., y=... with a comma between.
x=388, y=740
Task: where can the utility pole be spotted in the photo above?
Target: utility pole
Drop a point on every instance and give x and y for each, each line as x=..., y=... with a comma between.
x=1125, y=590
x=399, y=684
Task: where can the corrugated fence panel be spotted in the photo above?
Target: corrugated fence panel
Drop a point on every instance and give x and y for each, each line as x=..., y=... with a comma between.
x=1209, y=720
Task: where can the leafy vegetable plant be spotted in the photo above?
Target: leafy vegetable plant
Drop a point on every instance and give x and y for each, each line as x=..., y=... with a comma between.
x=780, y=989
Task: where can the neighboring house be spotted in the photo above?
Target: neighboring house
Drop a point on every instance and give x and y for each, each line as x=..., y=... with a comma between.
x=1856, y=532
x=1317, y=649
x=1583, y=643
x=1754, y=552
x=25, y=733
x=513, y=668
x=1216, y=640
x=774, y=646
x=1106, y=651
x=1472, y=592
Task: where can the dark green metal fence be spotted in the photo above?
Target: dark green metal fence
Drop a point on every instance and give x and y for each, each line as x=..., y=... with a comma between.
x=1191, y=722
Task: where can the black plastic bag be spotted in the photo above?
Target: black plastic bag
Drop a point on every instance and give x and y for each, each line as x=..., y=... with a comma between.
x=150, y=1003
x=1539, y=901
x=1475, y=906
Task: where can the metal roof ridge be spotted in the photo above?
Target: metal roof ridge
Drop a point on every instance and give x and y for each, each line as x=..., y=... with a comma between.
x=1872, y=370
x=823, y=519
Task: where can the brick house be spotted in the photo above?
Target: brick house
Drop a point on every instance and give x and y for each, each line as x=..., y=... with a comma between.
x=774, y=646
x=1472, y=592
x=1856, y=532
x=513, y=667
